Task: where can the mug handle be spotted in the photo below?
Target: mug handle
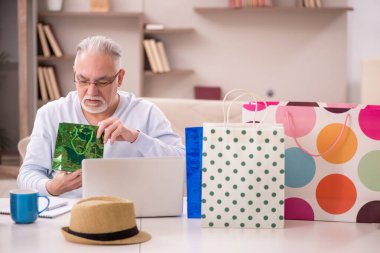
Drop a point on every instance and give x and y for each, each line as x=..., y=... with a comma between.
x=48, y=203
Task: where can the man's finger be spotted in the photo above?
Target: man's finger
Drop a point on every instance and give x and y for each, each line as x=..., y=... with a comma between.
x=102, y=126
x=77, y=172
x=116, y=133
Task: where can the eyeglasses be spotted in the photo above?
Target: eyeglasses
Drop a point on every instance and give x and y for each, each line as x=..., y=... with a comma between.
x=103, y=82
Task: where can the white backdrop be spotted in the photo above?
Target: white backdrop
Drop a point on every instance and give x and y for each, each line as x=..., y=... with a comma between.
x=363, y=41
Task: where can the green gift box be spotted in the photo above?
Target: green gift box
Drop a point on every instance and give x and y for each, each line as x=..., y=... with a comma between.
x=76, y=142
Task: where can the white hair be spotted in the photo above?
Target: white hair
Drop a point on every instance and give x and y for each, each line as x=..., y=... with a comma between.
x=100, y=44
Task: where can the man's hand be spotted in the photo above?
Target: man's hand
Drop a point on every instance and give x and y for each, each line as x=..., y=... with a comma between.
x=64, y=182
x=115, y=130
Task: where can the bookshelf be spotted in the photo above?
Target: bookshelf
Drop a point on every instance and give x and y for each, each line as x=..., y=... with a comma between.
x=169, y=31
x=272, y=9
x=162, y=35
x=83, y=14
x=172, y=72
x=206, y=45
x=41, y=58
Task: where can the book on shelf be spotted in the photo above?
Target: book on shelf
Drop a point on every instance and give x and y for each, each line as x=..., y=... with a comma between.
x=149, y=53
x=52, y=40
x=100, y=5
x=249, y=3
x=154, y=26
x=147, y=66
x=233, y=3
x=156, y=56
x=208, y=92
x=43, y=41
x=51, y=83
x=39, y=47
x=42, y=84
x=41, y=103
x=312, y=3
x=163, y=56
x=54, y=83
x=318, y=3
x=49, y=86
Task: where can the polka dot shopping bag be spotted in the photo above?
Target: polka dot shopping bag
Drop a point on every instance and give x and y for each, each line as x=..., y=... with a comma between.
x=242, y=174
x=332, y=157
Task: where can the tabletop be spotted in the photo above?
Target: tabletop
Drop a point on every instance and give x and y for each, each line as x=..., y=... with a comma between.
x=180, y=234
x=186, y=235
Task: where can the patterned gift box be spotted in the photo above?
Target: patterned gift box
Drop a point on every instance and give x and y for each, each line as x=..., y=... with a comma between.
x=343, y=184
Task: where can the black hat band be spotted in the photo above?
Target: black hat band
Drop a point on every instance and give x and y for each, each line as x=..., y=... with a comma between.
x=119, y=235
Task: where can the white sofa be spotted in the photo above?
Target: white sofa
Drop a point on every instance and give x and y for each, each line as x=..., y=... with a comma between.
x=184, y=113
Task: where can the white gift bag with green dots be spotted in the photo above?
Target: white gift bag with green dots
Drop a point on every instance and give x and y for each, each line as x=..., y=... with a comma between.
x=243, y=175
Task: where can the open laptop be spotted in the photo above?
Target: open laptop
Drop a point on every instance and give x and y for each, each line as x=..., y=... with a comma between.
x=155, y=185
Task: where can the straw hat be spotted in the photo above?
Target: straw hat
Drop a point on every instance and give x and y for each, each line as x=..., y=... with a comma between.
x=104, y=220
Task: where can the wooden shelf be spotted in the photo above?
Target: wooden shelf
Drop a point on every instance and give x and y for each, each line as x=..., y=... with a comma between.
x=169, y=31
x=90, y=14
x=272, y=9
x=54, y=58
x=172, y=72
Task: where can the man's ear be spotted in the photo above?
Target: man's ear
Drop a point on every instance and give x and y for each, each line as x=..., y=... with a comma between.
x=120, y=77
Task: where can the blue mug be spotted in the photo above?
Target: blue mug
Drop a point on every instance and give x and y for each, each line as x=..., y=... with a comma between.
x=24, y=205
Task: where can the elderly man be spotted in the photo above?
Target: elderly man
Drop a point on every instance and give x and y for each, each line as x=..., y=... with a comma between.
x=132, y=127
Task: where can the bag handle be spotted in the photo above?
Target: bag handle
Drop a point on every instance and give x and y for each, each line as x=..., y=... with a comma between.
x=348, y=116
x=226, y=116
x=87, y=144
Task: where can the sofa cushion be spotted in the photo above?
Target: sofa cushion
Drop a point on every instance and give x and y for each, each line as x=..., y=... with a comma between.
x=184, y=113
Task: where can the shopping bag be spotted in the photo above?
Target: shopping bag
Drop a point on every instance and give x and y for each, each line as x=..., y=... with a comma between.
x=242, y=175
x=332, y=159
x=193, y=137
x=76, y=142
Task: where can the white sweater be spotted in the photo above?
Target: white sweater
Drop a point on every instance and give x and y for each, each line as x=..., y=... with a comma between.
x=156, y=137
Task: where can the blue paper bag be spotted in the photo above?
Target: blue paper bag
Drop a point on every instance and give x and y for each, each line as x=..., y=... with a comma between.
x=194, y=137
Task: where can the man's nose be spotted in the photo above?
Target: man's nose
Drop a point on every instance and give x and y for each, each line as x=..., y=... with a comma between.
x=92, y=89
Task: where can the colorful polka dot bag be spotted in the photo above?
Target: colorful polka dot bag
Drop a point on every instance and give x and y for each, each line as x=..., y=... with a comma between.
x=242, y=175
x=332, y=157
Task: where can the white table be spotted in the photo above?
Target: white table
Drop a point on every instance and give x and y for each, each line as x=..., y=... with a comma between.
x=185, y=235
x=179, y=234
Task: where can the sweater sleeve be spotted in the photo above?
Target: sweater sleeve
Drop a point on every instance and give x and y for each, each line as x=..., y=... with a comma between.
x=159, y=138
x=35, y=171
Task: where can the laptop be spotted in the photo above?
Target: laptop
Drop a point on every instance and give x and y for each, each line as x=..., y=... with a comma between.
x=155, y=185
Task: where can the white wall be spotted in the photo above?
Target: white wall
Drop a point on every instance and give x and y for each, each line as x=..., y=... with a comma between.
x=299, y=55
x=363, y=41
